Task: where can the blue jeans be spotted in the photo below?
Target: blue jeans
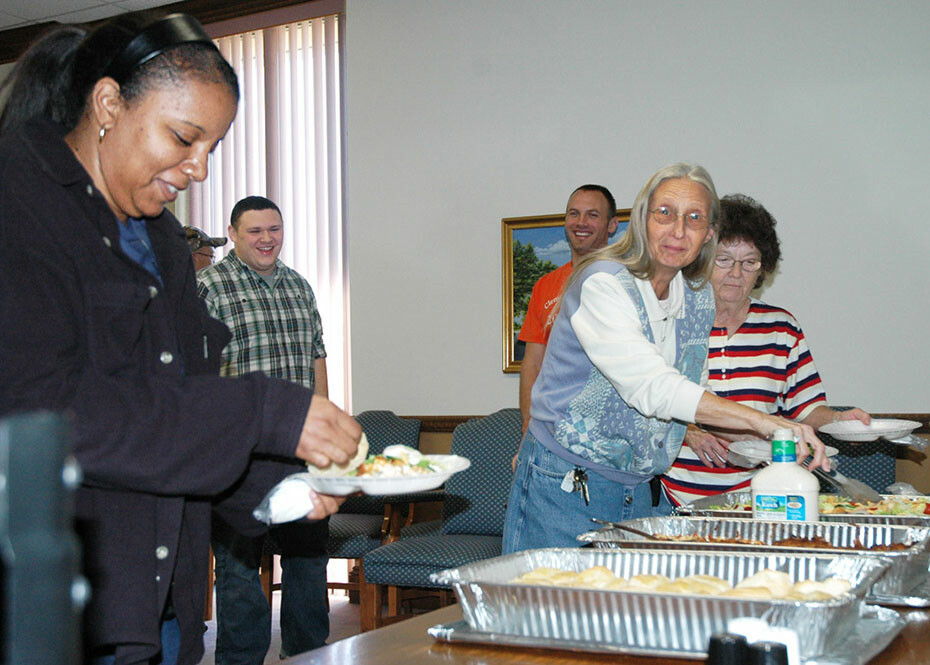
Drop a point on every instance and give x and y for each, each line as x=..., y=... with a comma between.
x=304, y=611
x=540, y=514
x=243, y=617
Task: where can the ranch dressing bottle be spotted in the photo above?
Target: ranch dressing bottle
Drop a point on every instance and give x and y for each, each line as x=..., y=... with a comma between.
x=784, y=491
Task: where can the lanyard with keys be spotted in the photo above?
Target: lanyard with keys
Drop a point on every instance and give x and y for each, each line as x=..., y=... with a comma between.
x=576, y=480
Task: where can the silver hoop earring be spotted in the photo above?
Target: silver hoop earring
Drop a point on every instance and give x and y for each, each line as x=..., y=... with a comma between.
x=103, y=132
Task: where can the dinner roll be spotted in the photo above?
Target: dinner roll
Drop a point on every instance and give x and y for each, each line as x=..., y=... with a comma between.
x=757, y=592
x=811, y=595
x=809, y=586
x=673, y=586
x=597, y=576
x=335, y=470
x=717, y=584
x=566, y=578
x=837, y=586
x=779, y=583
x=541, y=575
x=646, y=581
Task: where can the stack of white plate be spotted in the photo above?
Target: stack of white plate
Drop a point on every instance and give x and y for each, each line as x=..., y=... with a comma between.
x=886, y=428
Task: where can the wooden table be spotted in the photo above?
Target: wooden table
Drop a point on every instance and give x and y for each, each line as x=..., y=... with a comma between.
x=407, y=643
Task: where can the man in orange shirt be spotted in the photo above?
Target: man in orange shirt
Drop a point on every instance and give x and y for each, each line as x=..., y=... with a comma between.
x=590, y=219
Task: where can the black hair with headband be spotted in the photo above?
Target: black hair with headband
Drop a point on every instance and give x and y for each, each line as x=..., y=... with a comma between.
x=55, y=76
x=165, y=33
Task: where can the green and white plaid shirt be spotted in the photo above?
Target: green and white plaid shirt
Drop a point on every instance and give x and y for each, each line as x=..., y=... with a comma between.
x=275, y=329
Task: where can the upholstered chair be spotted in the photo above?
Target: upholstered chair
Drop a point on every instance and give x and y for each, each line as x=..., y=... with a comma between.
x=472, y=520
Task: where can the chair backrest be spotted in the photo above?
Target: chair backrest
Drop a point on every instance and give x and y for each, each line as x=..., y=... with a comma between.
x=386, y=428
x=872, y=462
x=383, y=429
x=475, y=499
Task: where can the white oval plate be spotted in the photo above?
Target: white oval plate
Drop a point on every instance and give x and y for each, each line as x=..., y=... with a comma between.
x=853, y=430
x=757, y=450
x=385, y=485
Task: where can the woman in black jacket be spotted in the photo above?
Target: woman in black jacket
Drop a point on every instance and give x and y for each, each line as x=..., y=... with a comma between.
x=101, y=320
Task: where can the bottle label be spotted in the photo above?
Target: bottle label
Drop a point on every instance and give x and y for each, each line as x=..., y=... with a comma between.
x=779, y=507
x=784, y=451
x=769, y=506
x=795, y=509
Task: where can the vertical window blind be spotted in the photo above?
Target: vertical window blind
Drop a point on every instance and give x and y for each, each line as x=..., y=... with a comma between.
x=286, y=143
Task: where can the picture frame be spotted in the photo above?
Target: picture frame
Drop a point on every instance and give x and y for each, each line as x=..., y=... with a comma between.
x=533, y=246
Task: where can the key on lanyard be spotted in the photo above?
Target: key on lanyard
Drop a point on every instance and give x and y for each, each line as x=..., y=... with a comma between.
x=581, y=483
x=576, y=480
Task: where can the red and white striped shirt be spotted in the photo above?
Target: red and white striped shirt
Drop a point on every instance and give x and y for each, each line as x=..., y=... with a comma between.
x=765, y=365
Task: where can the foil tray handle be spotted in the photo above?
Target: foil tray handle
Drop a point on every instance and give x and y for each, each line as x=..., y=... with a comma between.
x=446, y=577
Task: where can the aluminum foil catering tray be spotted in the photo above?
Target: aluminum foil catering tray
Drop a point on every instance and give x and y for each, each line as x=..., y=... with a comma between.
x=908, y=569
x=652, y=621
x=739, y=505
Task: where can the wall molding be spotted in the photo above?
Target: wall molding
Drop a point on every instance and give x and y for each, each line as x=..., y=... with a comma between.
x=440, y=424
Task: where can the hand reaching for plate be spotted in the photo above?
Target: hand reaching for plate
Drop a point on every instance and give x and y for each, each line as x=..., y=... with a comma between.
x=335, y=469
x=853, y=414
x=711, y=450
x=329, y=434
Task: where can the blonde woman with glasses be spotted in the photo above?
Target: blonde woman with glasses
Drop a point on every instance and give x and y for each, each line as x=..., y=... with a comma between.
x=757, y=357
x=622, y=372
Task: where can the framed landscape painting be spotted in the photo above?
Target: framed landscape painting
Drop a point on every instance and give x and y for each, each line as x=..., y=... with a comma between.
x=531, y=247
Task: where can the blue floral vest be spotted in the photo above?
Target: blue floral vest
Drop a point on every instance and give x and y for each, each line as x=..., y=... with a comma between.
x=599, y=429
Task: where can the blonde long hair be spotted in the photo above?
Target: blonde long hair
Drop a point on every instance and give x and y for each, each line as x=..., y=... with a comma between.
x=632, y=249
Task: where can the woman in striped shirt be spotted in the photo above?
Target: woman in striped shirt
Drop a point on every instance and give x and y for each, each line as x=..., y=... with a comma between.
x=757, y=356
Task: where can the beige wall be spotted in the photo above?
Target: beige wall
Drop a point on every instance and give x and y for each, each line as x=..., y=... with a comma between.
x=461, y=113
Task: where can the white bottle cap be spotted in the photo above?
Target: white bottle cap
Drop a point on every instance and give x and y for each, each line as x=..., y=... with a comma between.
x=783, y=434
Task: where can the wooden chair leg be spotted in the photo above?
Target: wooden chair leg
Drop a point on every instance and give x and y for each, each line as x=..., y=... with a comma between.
x=208, y=603
x=352, y=579
x=371, y=597
x=394, y=597
x=266, y=574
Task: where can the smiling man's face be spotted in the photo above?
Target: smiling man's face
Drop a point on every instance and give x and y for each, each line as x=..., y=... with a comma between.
x=258, y=237
x=588, y=222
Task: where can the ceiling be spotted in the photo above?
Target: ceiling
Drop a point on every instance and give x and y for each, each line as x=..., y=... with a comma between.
x=21, y=13
x=23, y=21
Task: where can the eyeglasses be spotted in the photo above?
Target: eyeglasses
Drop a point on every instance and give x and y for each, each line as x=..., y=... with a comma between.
x=747, y=265
x=667, y=215
x=208, y=254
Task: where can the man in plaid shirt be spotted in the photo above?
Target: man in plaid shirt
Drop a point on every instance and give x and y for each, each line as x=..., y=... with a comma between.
x=272, y=315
